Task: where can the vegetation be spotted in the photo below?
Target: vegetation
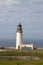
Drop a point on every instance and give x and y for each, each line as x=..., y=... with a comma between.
x=38, y=53
x=30, y=62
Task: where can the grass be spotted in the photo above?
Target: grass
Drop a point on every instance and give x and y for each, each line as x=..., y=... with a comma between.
x=38, y=53
x=30, y=62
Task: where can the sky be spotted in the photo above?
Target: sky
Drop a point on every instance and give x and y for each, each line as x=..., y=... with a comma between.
x=28, y=12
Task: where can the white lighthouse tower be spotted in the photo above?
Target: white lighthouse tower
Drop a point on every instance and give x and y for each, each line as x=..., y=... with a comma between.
x=19, y=36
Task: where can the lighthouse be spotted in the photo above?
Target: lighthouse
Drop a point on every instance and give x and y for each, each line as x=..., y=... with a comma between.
x=19, y=36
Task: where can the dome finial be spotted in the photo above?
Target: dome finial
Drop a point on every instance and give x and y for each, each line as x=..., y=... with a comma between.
x=19, y=23
x=19, y=26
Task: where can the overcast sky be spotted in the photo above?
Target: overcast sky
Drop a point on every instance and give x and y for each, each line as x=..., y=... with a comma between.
x=28, y=12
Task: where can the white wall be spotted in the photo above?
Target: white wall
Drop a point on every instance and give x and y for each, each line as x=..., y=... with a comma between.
x=18, y=39
x=28, y=45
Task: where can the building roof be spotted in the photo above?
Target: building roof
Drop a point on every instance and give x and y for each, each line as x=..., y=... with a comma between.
x=27, y=44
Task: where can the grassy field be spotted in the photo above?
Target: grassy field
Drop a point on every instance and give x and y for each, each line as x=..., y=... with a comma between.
x=22, y=62
x=38, y=53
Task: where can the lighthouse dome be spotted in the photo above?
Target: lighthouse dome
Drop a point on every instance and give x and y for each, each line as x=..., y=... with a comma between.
x=19, y=27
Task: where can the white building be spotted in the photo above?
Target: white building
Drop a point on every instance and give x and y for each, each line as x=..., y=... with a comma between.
x=27, y=46
x=19, y=44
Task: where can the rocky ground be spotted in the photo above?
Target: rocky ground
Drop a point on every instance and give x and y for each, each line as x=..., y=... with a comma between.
x=19, y=57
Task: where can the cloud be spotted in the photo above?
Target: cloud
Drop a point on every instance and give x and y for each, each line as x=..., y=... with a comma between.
x=6, y=2
x=28, y=12
x=38, y=2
